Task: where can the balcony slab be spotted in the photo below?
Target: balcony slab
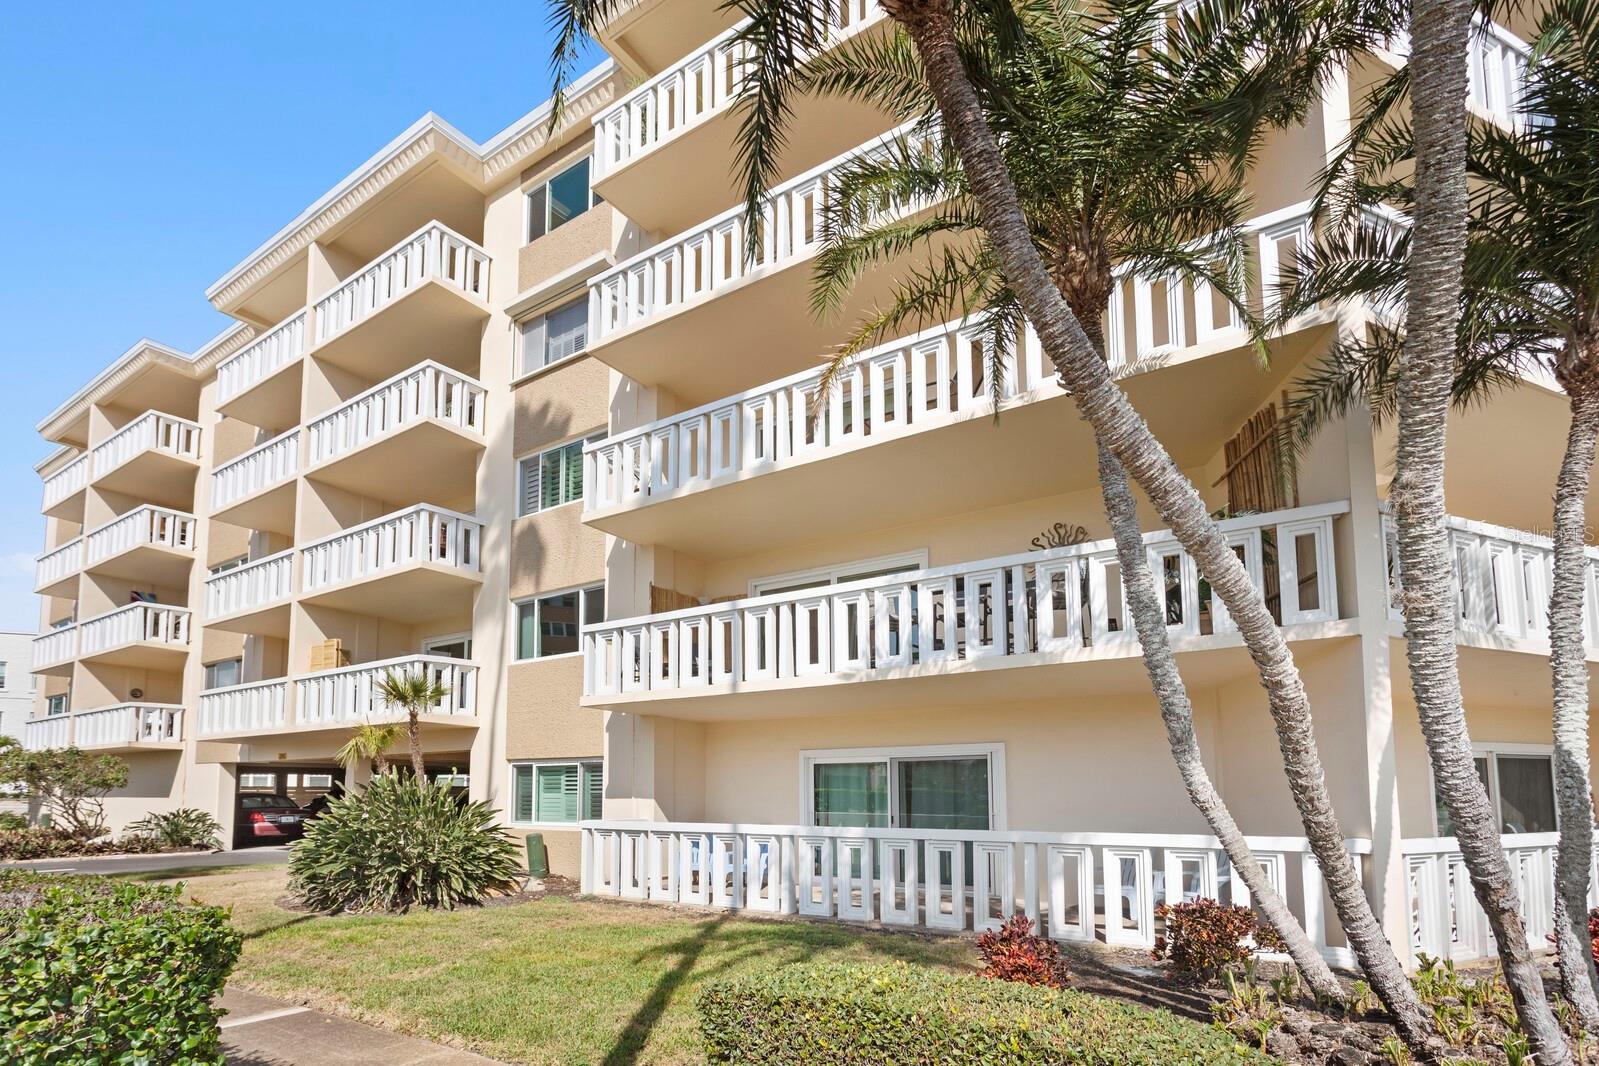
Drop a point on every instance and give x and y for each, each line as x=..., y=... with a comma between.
x=439, y=461
x=419, y=592
x=434, y=318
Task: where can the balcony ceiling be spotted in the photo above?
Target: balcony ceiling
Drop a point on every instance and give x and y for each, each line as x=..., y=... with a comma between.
x=648, y=36
x=269, y=622
x=154, y=477
x=272, y=510
x=1194, y=405
x=150, y=565
x=418, y=593
x=439, y=462
x=272, y=404
x=432, y=321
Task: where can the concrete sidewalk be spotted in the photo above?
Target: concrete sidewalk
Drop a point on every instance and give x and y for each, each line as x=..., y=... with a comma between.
x=261, y=1031
x=143, y=864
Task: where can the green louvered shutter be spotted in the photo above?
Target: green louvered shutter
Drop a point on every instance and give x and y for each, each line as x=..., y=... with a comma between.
x=523, y=799
x=593, y=790
x=558, y=793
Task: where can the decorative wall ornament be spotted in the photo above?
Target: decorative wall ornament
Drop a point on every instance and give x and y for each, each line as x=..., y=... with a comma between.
x=1059, y=535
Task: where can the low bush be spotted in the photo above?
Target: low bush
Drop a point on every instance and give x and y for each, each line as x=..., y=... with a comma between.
x=397, y=844
x=186, y=827
x=1013, y=952
x=42, y=842
x=1203, y=938
x=93, y=970
x=10, y=820
x=898, y=1015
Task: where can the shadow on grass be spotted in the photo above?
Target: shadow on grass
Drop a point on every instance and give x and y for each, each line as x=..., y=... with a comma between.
x=685, y=952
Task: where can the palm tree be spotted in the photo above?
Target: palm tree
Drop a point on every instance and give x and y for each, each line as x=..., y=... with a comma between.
x=1111, y=168
x=417, y=693
x=369, y=742
x=779, y=35
x=1529, y=302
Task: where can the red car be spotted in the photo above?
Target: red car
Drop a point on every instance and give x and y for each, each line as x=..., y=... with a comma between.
x=268, y=820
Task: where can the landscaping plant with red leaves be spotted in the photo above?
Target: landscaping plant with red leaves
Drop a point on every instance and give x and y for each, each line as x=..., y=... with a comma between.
x=1013, y=952
x=1203, y=937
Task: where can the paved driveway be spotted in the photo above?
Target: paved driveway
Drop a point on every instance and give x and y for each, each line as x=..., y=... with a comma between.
x=137, y=864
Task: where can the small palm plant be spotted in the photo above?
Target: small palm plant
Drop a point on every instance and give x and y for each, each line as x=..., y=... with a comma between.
x=415, y=693
x=370, y=742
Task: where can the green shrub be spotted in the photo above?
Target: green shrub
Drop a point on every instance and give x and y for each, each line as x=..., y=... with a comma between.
x=94, y=970
x=897, y=1015
x=10, y=820
x=43, y=842
x=397, y=844
x=186, y=827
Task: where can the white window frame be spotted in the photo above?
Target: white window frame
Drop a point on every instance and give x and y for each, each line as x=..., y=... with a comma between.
x=427, y=644
x=538, y=457
x=524, y=367
x=228, y=564
x=532, y=765
x=544, y=183
x=258, y=773
x=829, y=575
x=66, y=704
x=993, y=752
x=1490, y=749
x=206, y=669
x=5, y=676
x=516, y=607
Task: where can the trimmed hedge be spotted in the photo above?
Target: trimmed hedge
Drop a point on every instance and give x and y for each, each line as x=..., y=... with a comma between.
x=897, y=1015
x=93, y=970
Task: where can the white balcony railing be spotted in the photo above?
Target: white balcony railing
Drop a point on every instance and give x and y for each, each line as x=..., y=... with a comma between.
x=257, y=707
x=1074, y=886
x=250, y=586
x=53, y=731
x=712, y=257
x=913, y=384
x=420, y=534
x=1445, y=920
x=1502, y=580
x=143, y=527
x=137, y=623
x=427, y=390
x=55, y=647
x=127, y=725
x=433, y=253
x=349, y=695
x=265, y=356
x=59, y=564
x=1028, y=609
x=265, y=466
x=150, y=432
x=689, y=92
x=70, y=479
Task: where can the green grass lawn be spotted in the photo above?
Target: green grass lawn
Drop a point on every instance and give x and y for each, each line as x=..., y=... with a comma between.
x=556, y=980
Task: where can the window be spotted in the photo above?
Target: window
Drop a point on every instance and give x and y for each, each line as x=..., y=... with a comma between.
x=550, y=478
x=928, y=788
x=1521, y=786
x=557, y=791
x=223, y=674
x=836, y=575
x=3, y=674
x=258, y=780
x=56, y=704
x=553, y=336
x=552, y=204
x=229, y=564
x=550, y=625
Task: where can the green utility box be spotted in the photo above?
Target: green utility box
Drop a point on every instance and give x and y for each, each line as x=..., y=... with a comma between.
x=538, y=859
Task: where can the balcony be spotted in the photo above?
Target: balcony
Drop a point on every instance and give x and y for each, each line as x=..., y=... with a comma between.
x=63, y=490
x=637, y=310
x=152, y=545
x=129, y=727
x=259, y=707
x=428, y=422
x=256, y=490
x=57, y=570
x=410, y=566
x=994, y=629
x=260, y=385
x=348, y=696
x=144, y=635
x=1077, y=886
x=54, y=652
x=426, y=294
x=54, y=731
x=252, y=597
x=656, y=146
x=907, y=430
x=153, y=458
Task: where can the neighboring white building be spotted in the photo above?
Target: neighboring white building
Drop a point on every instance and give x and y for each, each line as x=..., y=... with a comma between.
x=16, y=681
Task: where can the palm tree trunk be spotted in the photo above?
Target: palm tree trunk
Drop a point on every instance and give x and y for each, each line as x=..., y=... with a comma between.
x=1177, y=714
x=1568, y=661
x=413, y=733
x=1439, y=33
x=1120, y=429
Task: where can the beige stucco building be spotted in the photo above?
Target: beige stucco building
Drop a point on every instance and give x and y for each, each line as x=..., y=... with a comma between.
x=523, y=415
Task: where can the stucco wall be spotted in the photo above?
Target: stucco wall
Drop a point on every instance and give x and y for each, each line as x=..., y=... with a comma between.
x=543, y=719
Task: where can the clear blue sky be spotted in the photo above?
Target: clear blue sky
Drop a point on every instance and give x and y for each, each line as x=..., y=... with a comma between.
x=152, y=146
